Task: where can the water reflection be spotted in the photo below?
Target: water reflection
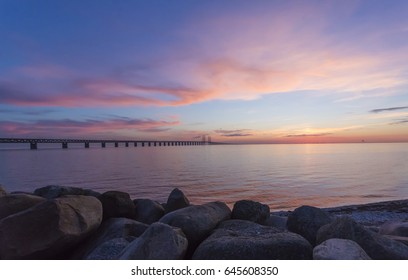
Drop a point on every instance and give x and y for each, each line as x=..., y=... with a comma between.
x=283, y=176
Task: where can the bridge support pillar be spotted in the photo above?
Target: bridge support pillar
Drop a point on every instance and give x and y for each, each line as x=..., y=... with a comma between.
x=155, y=144
x=103, y=145
x=142, y=144
x=159, y=143
x=86, y=145
x=135, y=144
x=33, y=146
x=150, y=144
x=65, y=145
x=116, y=144
x=127, y=144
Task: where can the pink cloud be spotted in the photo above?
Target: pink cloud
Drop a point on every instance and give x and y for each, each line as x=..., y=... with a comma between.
x=239, y=55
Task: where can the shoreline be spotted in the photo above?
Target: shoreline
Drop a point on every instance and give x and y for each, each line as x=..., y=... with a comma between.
x=58, y=222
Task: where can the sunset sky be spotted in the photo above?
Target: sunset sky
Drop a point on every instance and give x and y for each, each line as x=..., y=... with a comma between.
x=240, y=71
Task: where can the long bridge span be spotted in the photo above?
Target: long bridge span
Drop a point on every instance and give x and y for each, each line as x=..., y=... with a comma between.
x=33, y=142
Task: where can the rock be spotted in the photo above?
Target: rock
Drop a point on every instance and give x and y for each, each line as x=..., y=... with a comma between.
x=306, y=221
x=401, y=239
x=48, y=229
x=53, y=191
x=176, y=200
x=276, y=221
x=375, y=245
x=109, y=250
x=14, y=203
x=197, y=221
x=395, y=228
x=2, y=191
x=251, y=211
x=148, y=211
x=339, y=249
x=113, y=228
x=117, y=204
x=158, y=242
x=245, y=240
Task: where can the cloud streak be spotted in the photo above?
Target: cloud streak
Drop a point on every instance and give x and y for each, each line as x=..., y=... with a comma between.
x=71, y=127
x=233, y=133
x=309, y=135
x=388, y=109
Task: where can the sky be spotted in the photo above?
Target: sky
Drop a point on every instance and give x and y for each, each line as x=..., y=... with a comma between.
x=255, y=71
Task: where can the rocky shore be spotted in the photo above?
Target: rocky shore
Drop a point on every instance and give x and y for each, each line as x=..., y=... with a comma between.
x=57, y=222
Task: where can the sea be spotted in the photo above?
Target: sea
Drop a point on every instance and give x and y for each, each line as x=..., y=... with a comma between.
x=283, y=176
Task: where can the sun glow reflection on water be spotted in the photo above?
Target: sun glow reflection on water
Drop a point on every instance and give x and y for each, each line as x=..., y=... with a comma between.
x=282, y=176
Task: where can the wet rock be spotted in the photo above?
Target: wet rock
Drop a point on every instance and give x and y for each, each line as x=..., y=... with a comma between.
x=245, y=240
x=375, y=245
x=197, y=221
x=14, y=203
x=395, y=228
x=339, y=249
x=117, y=204
x=159, y=242
x=276, y=221
x=109, y=250
x=306, y=221
x=148, y=211
x=176, y=200
x=113, y=228
x=251, y=211
x=54, y=191
x=48, y=229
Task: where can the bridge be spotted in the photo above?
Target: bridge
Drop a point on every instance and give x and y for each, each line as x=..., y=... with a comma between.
x=33, y=142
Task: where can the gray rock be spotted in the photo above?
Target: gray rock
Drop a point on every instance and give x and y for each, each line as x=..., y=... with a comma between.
x=113, y=228
x=158, y=242
x=54, y=191
x=276, y=221
x=109, y=250
x=14, y=203
x=339, y=249
x=197, y=221
x=375, y=245
x=148, y=211
x=251, y=211
x=117, y=204
x=395, y=228
x=2, y=190
x=239, y=239
x=176, y=200
x=306, y=221
x=48, y=229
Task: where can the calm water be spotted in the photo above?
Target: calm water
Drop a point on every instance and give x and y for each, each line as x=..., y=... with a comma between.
x=282, y=176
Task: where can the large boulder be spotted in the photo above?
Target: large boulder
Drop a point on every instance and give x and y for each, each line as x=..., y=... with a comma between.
x=14, y=203
x=2, y=190
x=375, y=245
x=197, y=221
x=148, y=211
x=114, y=228
x=251, y=211
x=245, y=240
x=54, y=191
x=176, y=200
x=339, y=249
x=109, y=250
x=395, y=228
x=158, y=242
x=117, y=204
x=306, y=221
x=48, y=229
